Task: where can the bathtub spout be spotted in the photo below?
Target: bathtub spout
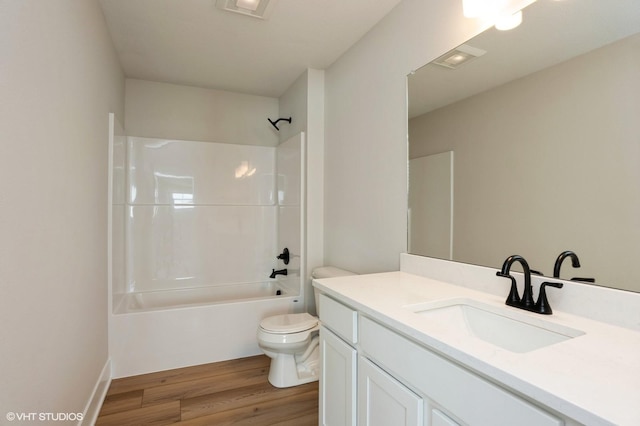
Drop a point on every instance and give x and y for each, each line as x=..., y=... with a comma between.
x=279, y=272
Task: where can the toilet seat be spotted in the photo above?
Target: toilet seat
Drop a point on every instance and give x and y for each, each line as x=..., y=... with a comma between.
x=288, y=323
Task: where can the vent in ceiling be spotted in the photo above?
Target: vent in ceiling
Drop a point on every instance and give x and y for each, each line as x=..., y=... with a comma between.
x=458, y=56
x=260, y=9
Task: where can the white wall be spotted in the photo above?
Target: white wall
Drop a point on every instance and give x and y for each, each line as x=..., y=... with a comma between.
x=315, y=177
x=59, y=78
x=304, y=102
x=293, y=103
x=170, y=111
x=366, y=132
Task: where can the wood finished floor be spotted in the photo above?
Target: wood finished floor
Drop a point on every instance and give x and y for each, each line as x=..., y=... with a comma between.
x=234, y=392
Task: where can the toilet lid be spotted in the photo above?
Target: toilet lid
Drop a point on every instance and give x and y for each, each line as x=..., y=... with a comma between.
x=290, y=323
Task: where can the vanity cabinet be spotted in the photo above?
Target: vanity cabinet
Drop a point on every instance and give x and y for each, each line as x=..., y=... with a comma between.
x=338, y=358
x=401, y=382
x=450, y=391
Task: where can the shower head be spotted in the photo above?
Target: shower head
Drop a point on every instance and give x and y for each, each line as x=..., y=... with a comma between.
x=275, y=123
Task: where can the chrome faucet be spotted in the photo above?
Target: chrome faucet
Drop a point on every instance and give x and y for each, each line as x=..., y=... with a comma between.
x=527, y=303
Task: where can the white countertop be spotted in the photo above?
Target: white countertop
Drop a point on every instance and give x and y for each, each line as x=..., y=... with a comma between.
x=593, y=379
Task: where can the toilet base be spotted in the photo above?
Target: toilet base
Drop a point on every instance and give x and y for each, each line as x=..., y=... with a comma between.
x=289, y=370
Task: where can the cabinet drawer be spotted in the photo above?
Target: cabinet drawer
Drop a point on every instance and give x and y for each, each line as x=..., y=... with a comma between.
x=469, y=397
x=339, y=318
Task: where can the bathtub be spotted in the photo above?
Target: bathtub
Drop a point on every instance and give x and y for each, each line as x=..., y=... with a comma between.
x=167, y=329
x=189, y=297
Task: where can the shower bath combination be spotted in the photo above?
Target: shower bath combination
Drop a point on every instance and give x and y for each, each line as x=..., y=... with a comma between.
x=180, y=210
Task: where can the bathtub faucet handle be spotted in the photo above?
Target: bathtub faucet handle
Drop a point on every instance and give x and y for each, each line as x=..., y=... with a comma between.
x=279, y=272
x=284, y=256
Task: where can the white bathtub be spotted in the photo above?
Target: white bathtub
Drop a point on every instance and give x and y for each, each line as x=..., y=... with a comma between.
x=180, y=298
x=162, y=330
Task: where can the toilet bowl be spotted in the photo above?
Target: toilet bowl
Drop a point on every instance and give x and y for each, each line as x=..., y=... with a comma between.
x=292, y=341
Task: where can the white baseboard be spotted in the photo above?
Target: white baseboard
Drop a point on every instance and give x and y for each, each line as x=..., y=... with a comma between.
x=91, y=411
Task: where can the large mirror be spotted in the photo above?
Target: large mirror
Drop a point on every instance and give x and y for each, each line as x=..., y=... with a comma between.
x=533, y=147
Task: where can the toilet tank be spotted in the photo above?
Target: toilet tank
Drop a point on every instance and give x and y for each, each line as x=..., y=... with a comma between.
x=326, y=272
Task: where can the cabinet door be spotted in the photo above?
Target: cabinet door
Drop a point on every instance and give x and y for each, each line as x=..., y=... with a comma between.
x=337, y=381
x=438, y=418
x=383, y=401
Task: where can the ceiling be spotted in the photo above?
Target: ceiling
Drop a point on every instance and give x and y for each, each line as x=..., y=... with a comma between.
x=191, y=42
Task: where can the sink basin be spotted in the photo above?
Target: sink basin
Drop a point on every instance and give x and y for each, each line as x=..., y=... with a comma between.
x=504, y=327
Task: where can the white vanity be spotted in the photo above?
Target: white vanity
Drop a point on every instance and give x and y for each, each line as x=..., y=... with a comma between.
x=407, y=348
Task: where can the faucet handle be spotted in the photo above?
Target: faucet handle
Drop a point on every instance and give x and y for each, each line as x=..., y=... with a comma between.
x=584, y=280
x=284, y=256
x=513, y=299
x=542, y=305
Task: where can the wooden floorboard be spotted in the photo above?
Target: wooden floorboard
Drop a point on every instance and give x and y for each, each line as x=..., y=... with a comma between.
x=125, y=401
x=261, y=413
x=205, y=386
x=224, y=393
x=159, y=414
x=186, y=374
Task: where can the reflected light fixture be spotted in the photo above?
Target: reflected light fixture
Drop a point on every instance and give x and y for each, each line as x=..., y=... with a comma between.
x=260, y=9
x=244, y=170
x=508, y=22
x=473, y=8
x=500, y=12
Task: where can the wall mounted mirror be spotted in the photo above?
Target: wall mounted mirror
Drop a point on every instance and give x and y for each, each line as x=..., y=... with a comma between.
x=544, y=135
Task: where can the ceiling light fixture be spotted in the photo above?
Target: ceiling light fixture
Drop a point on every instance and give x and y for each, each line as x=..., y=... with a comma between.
x=508, y=22
x=260, y=9
x=473, y=8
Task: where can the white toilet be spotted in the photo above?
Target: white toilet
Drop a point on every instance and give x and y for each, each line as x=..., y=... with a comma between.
x=291, y=341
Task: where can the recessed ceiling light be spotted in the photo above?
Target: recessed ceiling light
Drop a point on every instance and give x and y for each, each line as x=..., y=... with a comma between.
x=255, y=8
x=458, y=56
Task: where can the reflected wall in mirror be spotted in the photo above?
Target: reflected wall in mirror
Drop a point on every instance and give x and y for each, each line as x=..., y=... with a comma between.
x=545, y=127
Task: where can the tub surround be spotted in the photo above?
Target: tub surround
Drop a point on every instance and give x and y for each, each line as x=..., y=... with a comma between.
x=198, y=214
x=591, y=379
x=196, y=227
